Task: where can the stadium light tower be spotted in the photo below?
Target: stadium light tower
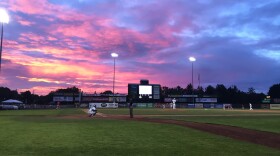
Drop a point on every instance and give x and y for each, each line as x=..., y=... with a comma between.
x=114, y=55
x=192, y=59
x=4, y=18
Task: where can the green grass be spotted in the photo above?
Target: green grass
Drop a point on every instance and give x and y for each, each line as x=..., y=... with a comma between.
x=43, y=132
x=148, y=111
x=41, y=112
x=262, y=123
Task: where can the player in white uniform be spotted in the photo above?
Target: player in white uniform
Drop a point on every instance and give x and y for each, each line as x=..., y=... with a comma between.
x=92, y=111
x=251, y=108
x=174, y=103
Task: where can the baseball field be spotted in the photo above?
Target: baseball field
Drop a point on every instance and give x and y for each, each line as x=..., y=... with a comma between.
x=150, y=132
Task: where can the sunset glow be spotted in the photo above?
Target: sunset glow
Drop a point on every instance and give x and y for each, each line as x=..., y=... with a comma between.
x=58, y=44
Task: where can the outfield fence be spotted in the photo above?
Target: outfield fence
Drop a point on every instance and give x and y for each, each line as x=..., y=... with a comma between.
x=162, y=105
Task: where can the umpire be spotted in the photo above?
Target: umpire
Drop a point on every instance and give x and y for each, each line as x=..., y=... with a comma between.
x=131, y=108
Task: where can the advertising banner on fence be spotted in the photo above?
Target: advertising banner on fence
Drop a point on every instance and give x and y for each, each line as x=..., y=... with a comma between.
x=117, y=99
x=182, y=105
x=274, y=106
x=144, y=105
x=141, y=105
x=167, y=99
x=209, y=100
x=184, y=99
x=58, y=98
x=276, y=100
x=206, y=105
x=104, y=105
x=191, y=106
x=122, y=105
x=95, y=99
x=264, y=106
x=62, y=98
x=198, y=105
x=219, y=106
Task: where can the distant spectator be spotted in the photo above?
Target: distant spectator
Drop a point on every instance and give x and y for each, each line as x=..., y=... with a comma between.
x=58, y=105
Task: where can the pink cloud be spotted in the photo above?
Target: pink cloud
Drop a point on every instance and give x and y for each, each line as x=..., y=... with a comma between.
x=73, y=64
x=31, y=37
x=31, y=6
x=43, y=7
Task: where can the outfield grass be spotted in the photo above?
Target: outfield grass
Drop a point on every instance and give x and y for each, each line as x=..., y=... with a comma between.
x=262, y=123
x=39, y=132
x=257, y=120
x=41, y=112
x=151, y=111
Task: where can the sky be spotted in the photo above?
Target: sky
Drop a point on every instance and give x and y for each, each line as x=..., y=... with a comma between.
x=52, y=44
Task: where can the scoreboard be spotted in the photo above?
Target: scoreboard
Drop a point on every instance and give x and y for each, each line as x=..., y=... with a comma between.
x=144, y=92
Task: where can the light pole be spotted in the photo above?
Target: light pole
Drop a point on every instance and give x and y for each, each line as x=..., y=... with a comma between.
x=192, y=59
x=114, y=55
x=4, y=18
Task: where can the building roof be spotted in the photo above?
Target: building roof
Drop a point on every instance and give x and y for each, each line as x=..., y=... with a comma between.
x=12, y=101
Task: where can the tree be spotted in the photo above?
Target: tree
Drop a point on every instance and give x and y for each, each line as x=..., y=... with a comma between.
x=26, y=97
x=233, y=93
x=179, y=90
x=6, y=93
x=165, y=91
x=48, y=98
x=189, y=89
x=210, y=90
x=274, y=91
x=222, y=93
x=199, y=91
x=107, y=92
x=69, y=90
x=251, y=90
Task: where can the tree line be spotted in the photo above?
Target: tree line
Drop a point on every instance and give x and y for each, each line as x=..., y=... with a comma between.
x=225, y=95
